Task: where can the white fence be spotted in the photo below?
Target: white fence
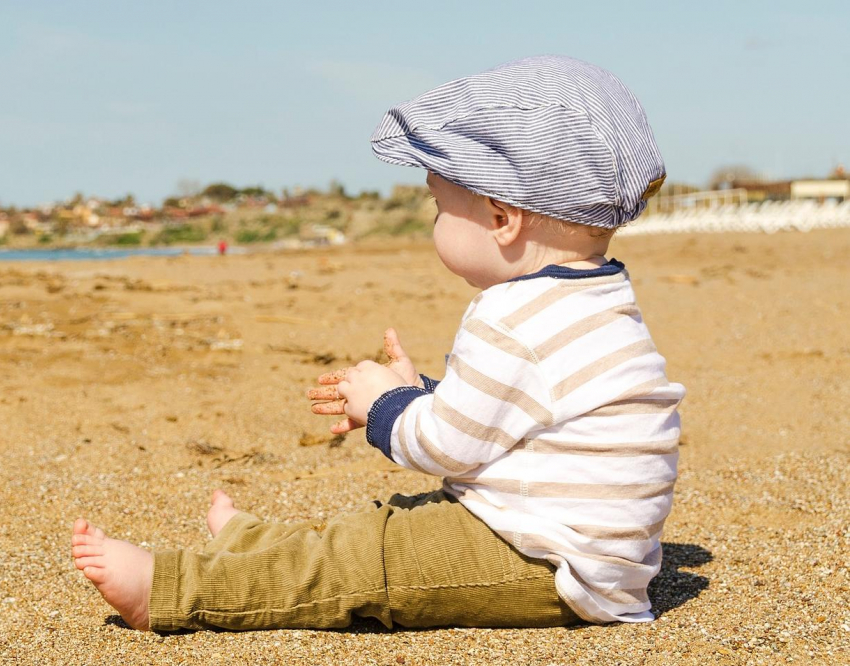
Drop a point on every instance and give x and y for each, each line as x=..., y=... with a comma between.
x=769, y=217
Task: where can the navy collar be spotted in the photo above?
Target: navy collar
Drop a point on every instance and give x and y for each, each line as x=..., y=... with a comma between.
x=565, y=273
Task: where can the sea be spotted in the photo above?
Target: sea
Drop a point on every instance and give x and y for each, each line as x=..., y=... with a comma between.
x=88, y=254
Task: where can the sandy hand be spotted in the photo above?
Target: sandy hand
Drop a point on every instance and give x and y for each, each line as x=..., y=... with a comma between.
x=399, y=360
x=327, y=400
x=334, y=377
x=324, y=392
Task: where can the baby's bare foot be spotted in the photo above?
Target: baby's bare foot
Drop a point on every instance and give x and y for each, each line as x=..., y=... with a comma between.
x=121, y=572
x=221, y=511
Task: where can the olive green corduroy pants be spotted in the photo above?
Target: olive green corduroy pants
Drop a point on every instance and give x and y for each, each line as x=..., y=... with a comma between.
x=419, y=561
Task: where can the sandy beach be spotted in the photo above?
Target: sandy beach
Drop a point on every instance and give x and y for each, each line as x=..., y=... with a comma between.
x=131, y=389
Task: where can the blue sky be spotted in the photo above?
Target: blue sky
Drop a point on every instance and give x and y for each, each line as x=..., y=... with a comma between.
x=115, y=97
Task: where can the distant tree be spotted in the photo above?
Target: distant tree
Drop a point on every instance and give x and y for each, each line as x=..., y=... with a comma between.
x=256, y=191
x=726, y=177
x=127, y=201
x=131, y=238
x=220, y=192
x=171, y=202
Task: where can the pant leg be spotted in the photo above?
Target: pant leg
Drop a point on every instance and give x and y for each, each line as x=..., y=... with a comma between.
x=445, y=567
x=430, y=563
x=263, y=576
x=245, y=533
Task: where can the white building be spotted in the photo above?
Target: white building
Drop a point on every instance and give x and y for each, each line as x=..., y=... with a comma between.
x=821, y=190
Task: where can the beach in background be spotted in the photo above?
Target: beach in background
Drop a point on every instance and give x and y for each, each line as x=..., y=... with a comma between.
x=131, y=388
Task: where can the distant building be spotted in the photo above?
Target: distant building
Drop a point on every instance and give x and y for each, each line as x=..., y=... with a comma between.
x=320, y=234
x=763, y=190
x=821, y=190
x=35, y=224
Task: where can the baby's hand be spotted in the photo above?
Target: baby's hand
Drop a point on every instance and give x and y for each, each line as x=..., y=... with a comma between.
x=364, y=384
x=399, y=360
x=331, y=402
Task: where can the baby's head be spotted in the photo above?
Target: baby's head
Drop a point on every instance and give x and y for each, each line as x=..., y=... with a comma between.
x=546, y=154
x=487, y=241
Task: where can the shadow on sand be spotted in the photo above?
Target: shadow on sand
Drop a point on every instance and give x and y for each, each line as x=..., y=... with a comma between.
x=672, y=587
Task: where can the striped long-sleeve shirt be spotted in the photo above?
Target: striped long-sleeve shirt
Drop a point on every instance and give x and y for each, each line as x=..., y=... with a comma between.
x=556, y=425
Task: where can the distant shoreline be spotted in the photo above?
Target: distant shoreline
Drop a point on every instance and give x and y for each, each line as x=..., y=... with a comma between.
x=84, y=254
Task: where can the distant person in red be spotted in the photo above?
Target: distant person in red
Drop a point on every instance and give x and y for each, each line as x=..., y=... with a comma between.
x=222, y=247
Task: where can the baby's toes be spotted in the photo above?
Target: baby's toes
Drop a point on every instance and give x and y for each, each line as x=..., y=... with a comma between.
x=87, y=550
x=85, y=539
x=82, y=526
x=90, y=562
x=95, y=574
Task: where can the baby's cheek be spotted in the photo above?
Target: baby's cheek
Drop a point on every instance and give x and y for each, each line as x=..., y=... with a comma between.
x=447, y=255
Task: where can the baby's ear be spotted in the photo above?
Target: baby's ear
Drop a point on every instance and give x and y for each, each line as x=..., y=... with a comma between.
x=505, y=221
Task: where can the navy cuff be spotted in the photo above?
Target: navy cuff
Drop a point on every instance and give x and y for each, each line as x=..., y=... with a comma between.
x=383, y=413
x=430, y=384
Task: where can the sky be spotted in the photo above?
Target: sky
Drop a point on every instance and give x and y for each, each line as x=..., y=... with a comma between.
x=116, y=97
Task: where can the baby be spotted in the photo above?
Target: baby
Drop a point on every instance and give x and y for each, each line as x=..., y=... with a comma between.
x=555, y=428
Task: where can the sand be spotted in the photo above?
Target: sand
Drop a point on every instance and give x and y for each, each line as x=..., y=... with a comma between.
x=130, y=389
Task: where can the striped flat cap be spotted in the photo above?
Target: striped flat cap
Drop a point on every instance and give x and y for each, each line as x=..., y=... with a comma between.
x=549, y=134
